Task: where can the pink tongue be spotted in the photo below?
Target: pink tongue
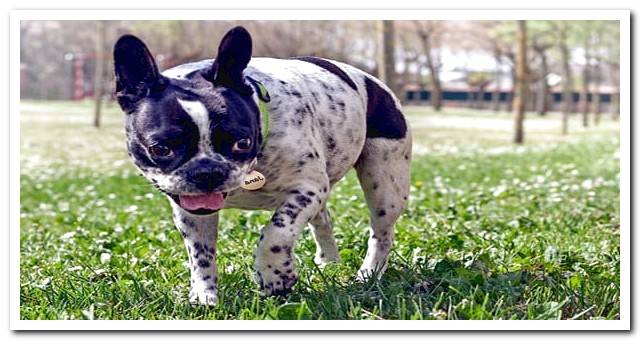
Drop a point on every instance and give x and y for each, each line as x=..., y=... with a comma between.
x=211, y=201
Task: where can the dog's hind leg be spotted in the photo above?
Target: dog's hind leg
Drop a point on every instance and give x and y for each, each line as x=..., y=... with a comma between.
x=326, y=250
x=384, y=173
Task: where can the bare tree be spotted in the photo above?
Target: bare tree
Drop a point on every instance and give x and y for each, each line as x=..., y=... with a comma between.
x=496, y=94
x=563, y=44
x=542, y=39
x=521, y=81
x=386, y=61
x=428, y=33
x=99, y=83
x=586, y=34
x=596, y=93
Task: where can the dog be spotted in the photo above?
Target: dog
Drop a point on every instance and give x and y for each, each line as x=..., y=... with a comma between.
x=263, y=134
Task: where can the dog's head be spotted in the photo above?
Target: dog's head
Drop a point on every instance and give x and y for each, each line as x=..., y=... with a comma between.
x=194, y=137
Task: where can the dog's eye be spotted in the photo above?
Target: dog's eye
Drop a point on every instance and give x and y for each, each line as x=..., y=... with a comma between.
x=160, y=150
x=242, y=146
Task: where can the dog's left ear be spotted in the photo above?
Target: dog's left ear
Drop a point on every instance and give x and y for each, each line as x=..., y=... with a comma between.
x=234, y=53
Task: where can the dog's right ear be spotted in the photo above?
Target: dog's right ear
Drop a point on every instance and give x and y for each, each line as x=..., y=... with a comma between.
x=136, y=72
x=234, y=53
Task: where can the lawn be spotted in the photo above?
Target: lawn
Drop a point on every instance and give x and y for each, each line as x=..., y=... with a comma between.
x=493, y=231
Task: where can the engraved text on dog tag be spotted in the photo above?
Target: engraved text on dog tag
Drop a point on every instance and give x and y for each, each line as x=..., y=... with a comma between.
x=253, y=181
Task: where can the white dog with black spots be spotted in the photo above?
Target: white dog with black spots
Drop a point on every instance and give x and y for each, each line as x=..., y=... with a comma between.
x=195, y=132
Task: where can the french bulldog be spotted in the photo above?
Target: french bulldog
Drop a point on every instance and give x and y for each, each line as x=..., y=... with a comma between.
x=199, y=132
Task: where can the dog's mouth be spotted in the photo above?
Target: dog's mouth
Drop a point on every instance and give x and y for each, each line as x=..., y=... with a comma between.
x=201, y=204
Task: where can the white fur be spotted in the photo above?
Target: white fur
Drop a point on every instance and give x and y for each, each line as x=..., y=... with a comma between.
x=200, y=115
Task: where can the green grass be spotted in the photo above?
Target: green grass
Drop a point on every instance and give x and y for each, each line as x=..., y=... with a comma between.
x=492, y=231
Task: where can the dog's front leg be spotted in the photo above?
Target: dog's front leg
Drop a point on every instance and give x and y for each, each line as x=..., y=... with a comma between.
x=200, y=234
x=274, y=257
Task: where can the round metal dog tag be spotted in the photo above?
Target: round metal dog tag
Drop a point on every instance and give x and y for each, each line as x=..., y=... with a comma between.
x=253, y=181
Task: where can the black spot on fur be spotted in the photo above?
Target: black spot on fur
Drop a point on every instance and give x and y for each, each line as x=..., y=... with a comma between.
x=381, y=213
x=288, y=250
x=275, y=249
x=291, y=213
x=278, y=221
x=188, y=222
x=331, y=67
x=331, y=143
x=203, y=263
x=303, y=200
x=383, y=117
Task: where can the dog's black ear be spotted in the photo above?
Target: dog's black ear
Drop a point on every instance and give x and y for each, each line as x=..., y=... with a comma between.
x=136, y=71
x=234, y=53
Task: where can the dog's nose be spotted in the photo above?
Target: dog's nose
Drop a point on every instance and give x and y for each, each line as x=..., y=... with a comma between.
x=207, y=177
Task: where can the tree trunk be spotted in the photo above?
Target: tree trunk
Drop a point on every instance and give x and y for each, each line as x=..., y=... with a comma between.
x=437, y=93
x=386, y=62
x=480, y=97
x=98, y=88
x=544, y=88
x=585, y=85
x=436, y=99
x=585, y=92
x=616, y=97
x=521, y=81
x=471, y=99
x=596, y=93
x=566, y=107
x=509, y=101
x=496, y=94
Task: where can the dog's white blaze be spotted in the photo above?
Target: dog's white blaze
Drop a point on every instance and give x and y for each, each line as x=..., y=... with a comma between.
x=200, y=116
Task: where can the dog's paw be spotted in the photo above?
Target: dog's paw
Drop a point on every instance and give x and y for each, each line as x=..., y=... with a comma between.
x=366, y=274
x=324, y=259
x=206, y=297
x=276, y=282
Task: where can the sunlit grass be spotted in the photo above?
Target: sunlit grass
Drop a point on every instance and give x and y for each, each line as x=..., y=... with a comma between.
x=492, y=231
